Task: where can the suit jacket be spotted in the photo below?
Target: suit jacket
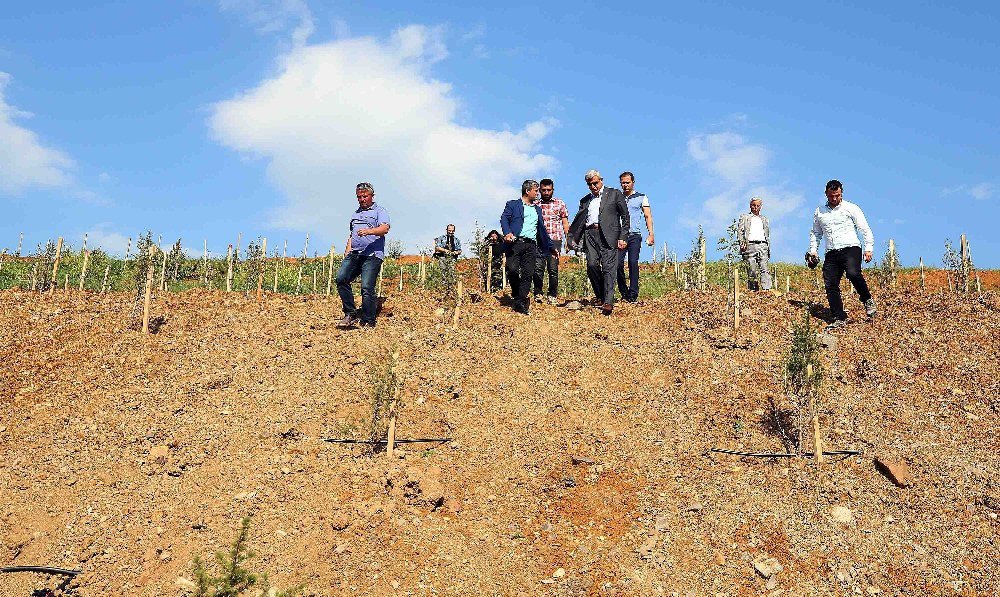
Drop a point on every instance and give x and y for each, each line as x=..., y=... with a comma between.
x=613, y=218
x=743, y=229
x=512, y=220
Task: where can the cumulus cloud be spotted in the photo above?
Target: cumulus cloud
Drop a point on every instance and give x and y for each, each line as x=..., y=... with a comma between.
x=980, y=192
x=368, y=109
x=275, y=16
x=25, y=162
x=734, y=170
x=103, y=236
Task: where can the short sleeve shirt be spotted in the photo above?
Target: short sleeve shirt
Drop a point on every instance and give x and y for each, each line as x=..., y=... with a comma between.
x=373, y=217
x=636, y=201
x=553, y=213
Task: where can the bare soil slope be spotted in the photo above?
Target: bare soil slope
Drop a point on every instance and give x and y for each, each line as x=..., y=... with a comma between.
x=580, y=462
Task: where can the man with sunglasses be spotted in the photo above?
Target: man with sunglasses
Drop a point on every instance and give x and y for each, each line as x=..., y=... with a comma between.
x=602, y=227
x=363, y=257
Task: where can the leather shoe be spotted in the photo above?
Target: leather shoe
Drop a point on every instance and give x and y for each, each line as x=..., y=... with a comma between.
x=606, y=309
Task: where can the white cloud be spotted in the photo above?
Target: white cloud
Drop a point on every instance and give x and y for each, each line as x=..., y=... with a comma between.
x=275, y=16
x=982, y=191
x=737, y=170
x=367, y=109
x=26, y=163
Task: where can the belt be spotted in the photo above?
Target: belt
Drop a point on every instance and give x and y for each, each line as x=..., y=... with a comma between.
x=593, y=227
x=759, y=242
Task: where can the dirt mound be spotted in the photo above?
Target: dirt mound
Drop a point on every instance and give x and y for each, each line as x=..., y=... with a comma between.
x=579, y=463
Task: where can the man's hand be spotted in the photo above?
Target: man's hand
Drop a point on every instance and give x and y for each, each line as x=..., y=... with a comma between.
x=363, y=232
x=868, y=256
x=649, y=240
x=509, y=237
x=622, y=245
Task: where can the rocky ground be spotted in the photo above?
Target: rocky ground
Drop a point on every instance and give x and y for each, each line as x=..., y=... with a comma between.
x=580, y=461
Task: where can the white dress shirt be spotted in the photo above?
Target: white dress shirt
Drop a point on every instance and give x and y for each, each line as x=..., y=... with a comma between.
x=840, y=226
x=594, y=209
x=756, y=232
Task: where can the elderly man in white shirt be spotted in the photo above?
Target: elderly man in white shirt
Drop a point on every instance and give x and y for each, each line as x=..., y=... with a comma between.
x=839, y=222
x=754, y=235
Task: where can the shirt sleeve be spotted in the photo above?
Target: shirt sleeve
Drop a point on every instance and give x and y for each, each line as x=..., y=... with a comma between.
x=815, y=234
x=645, y=201
x=382, y=217
x=867, y=238
x=563, y=213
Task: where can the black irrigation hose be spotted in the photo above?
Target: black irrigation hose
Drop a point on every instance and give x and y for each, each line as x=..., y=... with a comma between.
x=376, y=442
x=41, y=570
x=780, y=455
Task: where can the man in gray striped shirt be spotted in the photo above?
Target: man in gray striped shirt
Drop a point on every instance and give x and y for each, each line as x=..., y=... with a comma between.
x=839, y=222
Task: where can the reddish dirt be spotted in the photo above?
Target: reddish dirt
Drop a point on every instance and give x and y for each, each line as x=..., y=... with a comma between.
x=126, y=455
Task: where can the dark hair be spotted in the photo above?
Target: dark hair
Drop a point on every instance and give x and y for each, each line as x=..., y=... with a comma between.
x=546, y=182
x=627, y=173
x=834, y=185
x=527, y=186
x=494, y=233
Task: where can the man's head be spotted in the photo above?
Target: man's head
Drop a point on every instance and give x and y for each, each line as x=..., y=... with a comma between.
x=366, y=194
x=529, y=189
x=450, y=229
x=834, y=193
x=594, y=181
x=547, y=188
x=755, y=205
x=628, y=182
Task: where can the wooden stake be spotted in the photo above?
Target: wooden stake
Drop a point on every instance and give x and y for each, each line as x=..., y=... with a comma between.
x=922, y=281
x=163, y=273
x=65, y=281
x=83, y=270
x=263, y=264
x=702, y=270
x=239, y=242
x=423, y=271
x=503, y=265
x=34, y=277
x=892, y=263
x=489, y=270
x=205, y=262
x=229, y=269
x=390, y=444
x=276, y=262
x=128, y=248
x=400, y=276
x=104, y=284
x=380, y=268
x=314, y=281
x=736, y=298
x=458, y=303
x=788, y=284
x=298, y=283
x=965, y=264
x=84, y=241
x=55, y=266
x=284, y=250
x=817, y=439
x=979, y=287
x=20, y=239
x=329, y=274
x=149, y=291
x=305, y=249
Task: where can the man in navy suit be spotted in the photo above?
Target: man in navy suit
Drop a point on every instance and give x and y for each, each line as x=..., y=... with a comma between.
x=602, y=227
x=524, y=239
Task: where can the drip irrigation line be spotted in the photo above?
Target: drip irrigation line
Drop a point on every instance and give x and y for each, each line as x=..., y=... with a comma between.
x=334, y=440
x=783, y=455
x=40, y=569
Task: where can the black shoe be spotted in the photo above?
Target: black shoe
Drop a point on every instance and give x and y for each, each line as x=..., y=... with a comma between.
x=367, y=324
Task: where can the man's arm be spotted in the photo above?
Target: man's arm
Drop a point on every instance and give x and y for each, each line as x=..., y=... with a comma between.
x=648, y=215
x=380, y=230
x=815, y=234
x=626, y=220
x=867, y=238
x=347, y=245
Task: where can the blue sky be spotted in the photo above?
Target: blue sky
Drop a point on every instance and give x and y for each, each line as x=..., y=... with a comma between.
x=202, y=119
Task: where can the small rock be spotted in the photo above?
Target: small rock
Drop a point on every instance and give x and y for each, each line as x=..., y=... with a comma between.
x=559, y=573
x=842, y=514
x=582, y=460
x=186, y=584
x=767, y=566
x=647, y=548
x=694, y=507
x=772, y=583
x=720, y=559
x=339, y=522
x=547, y=527
x=828, y=341
x=895, y=470
x=165, y=555
x=662, y=523
x=341, y=548
x=159, y=454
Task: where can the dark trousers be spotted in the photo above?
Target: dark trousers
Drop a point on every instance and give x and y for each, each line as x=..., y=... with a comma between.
x=367, y=267
x=835, y=264
x=521, y=256
x=630, y=292
x=497, y=280
x=601, y=263
x=548, y=262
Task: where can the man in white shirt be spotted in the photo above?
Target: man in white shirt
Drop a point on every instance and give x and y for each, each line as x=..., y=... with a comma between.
x=839, y=222
x=754, y=235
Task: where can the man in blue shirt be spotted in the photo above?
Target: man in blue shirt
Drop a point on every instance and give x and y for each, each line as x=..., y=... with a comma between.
x=363, y=257
x=525, y=236
x=638, y=208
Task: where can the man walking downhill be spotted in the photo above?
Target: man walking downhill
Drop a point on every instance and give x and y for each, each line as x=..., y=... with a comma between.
x=754, y=235
x=839, y=222
x=556, y=219
x=525, y=236
x=638, y=209
x=363, y=257
x=602, y=225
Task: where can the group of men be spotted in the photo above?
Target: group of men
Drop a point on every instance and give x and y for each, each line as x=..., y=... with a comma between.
x=606, y=228
x=536, y=228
